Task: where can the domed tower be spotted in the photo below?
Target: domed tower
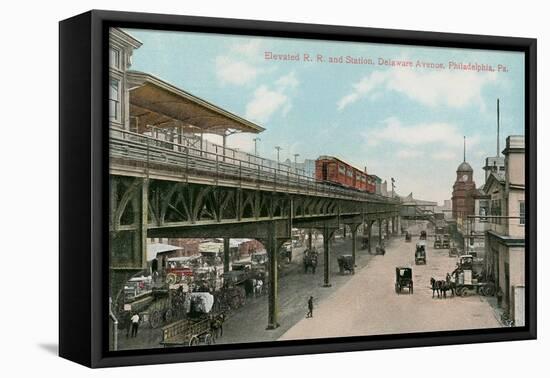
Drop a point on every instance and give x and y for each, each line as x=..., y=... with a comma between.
x=463, y=188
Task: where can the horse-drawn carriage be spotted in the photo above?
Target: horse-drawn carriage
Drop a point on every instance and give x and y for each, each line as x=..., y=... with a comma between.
x=311, y=257
x=285, y=252
x=453, y=251
x=364, y=242
x=470, y=278
x=423, y=235
x=438, y=242
x=346, y=264
x=381, y=248
x=403, y=279
x=420, y=253
x=446, y=242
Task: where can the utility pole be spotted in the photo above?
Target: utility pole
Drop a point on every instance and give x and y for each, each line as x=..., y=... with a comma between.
x=498, y=127
x=278, y=148
x=256, y=140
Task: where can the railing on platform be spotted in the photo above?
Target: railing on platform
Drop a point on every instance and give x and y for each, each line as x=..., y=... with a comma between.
x=251, y=168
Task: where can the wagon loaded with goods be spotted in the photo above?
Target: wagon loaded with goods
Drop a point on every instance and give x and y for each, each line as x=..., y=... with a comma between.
x=469, y=278
x=199, y=327
x=167, y=305
x=180, y=269
x=346, y=264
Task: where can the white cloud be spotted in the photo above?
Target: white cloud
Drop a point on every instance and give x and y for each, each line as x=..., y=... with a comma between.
x=417, y=135
x=287, y=81
x=268, y=100
x=239, y=65
x=456, y=89
x=236, y=72
x=250, y=49
x=265, y=102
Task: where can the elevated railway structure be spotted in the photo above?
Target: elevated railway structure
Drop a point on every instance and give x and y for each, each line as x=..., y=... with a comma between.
x=160, y=188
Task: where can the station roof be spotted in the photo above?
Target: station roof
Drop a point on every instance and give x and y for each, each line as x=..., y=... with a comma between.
x=158, y=103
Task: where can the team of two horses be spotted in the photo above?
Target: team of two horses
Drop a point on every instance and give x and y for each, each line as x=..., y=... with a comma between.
x=442, y=286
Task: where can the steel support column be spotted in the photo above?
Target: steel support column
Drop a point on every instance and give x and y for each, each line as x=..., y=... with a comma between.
x=380, y=231
x=327, y=233
x=226, y=255
x=273, y=253
x=369, y=235
x=354, y=241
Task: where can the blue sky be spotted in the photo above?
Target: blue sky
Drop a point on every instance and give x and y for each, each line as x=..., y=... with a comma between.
x=405, y=123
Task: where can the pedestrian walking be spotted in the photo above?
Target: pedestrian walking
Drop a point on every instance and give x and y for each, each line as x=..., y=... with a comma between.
x=128, y=323
x=310, y=307
x=135, y=324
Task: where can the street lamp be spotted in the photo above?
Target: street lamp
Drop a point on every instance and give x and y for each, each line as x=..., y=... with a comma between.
x=256, y=140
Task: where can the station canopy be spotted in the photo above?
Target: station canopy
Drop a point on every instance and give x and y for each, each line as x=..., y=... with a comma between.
x=157, y=103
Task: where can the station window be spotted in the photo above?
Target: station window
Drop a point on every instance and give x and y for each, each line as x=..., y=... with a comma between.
x=114, y=100
x=341, y=169
x=522, y=212
x=114, y=58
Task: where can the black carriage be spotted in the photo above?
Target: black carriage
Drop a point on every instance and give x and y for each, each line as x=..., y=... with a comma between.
x=346, y=264
x=438, y=243
x=420, y=253
x=446, y=243
x=403, y=279
x=423, y=235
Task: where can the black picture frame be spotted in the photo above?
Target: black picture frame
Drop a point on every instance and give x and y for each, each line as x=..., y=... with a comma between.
x=83, y=182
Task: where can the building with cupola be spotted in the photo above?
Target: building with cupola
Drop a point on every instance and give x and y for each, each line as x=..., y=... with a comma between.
x=463, y=190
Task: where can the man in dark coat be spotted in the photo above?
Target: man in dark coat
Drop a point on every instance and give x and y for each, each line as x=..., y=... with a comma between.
x=310, y=307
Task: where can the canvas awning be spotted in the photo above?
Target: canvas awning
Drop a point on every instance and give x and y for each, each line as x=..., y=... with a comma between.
x=154, y=248
x=154, y=102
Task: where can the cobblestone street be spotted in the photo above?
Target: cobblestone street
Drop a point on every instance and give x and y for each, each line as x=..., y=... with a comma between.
x=360, y=304
x=368, y=304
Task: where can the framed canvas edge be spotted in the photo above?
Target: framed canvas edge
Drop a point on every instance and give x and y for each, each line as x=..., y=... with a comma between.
x=98, y=144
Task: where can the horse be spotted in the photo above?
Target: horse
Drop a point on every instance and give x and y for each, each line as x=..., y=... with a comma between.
x=451, y=284
x=442, y=286
x=216, y=325
x=436, y=287
x=258, y=287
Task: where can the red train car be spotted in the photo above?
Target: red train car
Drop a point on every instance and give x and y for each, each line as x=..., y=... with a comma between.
x=335, y=171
